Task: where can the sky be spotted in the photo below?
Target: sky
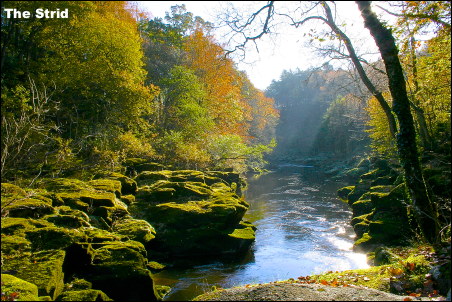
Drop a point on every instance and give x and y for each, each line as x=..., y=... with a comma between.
x=286, y=50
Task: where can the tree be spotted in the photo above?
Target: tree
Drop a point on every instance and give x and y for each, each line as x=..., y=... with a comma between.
x=424, y=208
x=406, y=138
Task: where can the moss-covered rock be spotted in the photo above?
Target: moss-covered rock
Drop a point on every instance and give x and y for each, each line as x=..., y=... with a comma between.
x=13, y=244
x=193, y=217
x=84, y=295
x=135, y=229
x=161, y=291
x=69, y=218
x=137, y=165
x=27, y=207
x=8, y=190
x=163, y=191
x=64, y=185
x=119, y=269
x=18, y=288
x=95, y=236
x=78, y=284
x=128, y=185
x=363, y=205
x=44, y=269
x=53, y=238
x=108, y=185
x=343, y=193
x=128, y=199
x=19, y=226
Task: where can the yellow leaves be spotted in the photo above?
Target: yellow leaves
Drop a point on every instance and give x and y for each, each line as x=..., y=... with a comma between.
x=396, y=272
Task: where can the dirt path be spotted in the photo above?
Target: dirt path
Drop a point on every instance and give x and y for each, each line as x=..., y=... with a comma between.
x=286, y=291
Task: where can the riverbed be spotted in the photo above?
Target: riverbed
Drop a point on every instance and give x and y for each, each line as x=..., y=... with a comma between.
x=302, y=229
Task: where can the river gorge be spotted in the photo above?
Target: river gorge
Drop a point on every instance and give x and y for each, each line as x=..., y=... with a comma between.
x=302, y=229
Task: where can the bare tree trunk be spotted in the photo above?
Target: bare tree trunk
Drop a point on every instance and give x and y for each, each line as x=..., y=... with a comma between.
x=424, y=209
x=362, y=74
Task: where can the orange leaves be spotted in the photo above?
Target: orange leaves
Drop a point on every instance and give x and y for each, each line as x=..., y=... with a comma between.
x=221, y=80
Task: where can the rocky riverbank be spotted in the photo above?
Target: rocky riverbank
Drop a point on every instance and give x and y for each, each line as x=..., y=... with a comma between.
x=101, y=239
x=292, y=291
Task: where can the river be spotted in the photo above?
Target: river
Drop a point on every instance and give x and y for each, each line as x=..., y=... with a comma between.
x=302, y=229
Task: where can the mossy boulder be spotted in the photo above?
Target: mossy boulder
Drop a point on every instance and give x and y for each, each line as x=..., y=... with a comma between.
x=108, y=185
x=128, y=185
x=9, y=190
x=128, y=199
x=19, y=226
x=231, y=179
x=137, y=165
x=26, y=207
x=53, y=238
x=119, y=269
x=343, y=193
x=363, y=205
x=163, y=191
x=44, y=269
x=193, y=218
x=21, y=289
x=64, y=185
x=69, y=218
x=13, y=244
x=135, y=229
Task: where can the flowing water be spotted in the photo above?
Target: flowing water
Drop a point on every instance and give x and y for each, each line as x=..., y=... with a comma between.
x=302, y=229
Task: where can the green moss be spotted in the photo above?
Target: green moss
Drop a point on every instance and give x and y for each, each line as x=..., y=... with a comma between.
x=362, y=242
x=108, y=185
x=8, y=190
x=245, y=233
x=18, y=226
x=160, y=291
x=49, y=238
x=67, y=221
x=65, y=185
x=128, y=185
x=96, y=236
x=377, y=277
x=78, y=284
x=134, y=229
x=65, y=210
x=150, y=177
x=84, y=295
x=44, y=269
x=27, y=208
x=26, y=291
x=13, y=244
x=362, y=206
x=155, y=266
x=363, y=218
x=119, y=269
x=361, y=228
x=344, y=192
x=128, y=199
x=120, y=252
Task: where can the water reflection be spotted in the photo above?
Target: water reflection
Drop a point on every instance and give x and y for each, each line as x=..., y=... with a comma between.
x=302, y=229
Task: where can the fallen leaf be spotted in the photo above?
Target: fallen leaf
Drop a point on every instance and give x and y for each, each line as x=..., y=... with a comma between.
x=407, y=299
x=411, y=266
x=324, y=282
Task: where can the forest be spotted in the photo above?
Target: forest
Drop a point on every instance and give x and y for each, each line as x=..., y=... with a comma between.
x=127, y=141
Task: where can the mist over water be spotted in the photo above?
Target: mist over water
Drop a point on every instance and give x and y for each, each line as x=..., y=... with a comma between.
x=302, y=229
